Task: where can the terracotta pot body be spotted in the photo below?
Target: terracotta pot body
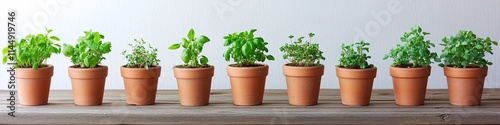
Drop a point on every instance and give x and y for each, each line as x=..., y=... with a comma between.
x=247, y=84
x=140, y=84
x=465, y=85
x=356, y=85
x=410, y=85
x=33, y=86
x=303, y=84
x=88, y=84
x=194, y=85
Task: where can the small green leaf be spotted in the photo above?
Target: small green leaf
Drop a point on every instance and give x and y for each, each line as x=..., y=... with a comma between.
x=97, y=37
x=479, y=46
x=191, y=34
x=106, y=47
x=246, y=49
x=68, y=50
x=186, y=55
x=54, y=38
x=226, y=56
x=203, y=60
x=48, y=30
x=227, y=42
x=5, y=50
x=270, y=57
x=174, y=46
x=4, y=60
x=202, y=39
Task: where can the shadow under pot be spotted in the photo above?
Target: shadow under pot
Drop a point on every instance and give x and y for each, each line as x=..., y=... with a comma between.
x=88, y=84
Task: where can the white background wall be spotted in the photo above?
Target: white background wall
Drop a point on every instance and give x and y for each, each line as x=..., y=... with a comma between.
x=163, y=22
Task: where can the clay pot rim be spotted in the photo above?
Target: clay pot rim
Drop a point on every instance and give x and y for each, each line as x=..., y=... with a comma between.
x=101, y=67
x=262, y=66
x=48, y=66
x=303, y=67
x=453, y=68
x=371, y=68
x=369, y=73
x=418, y=68
x=198, y=68
x=465, y=72
x=125, y=67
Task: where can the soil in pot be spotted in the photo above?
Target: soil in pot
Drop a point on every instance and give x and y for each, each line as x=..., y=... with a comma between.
x=303, y=84
x=194, y=85
x=33, y=86
x=88, y=84
x=465, y=85
x=356, y=85
x=140, y=84
x=410, y=85
x=247, y=84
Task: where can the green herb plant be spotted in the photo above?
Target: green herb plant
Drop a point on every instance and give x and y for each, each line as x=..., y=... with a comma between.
x=140, y=56
x=245, y=49
x=88, y=52
x=465, y=50
x=354, y=56
x=414, y=52
x=192, y=49
x=302, y=53
x=33, y=50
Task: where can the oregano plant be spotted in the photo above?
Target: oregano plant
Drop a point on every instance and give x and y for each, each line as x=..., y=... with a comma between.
x=193, y=46
x=140, y=56
x=465, y=50
x=88, y=52
x=302, y=53
x=354, y=56
x=33, y=50
x=414, y=52
x=245, y=49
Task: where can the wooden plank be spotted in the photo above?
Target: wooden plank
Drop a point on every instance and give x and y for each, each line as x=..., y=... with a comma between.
x=275, y=110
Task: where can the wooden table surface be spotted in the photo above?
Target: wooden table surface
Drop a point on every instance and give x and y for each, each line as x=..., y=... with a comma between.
x=275, y=110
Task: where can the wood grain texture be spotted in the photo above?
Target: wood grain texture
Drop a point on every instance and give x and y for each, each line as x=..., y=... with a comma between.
x=275, y=110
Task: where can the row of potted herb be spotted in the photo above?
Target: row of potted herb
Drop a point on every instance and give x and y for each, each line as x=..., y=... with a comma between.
x=463, y=55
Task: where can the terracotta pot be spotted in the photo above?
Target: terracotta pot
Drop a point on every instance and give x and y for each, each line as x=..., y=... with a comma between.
x=303, y=84
x=194, y=85
x=410, y=85
x=88, y=84
x=140, y=84
x=356, y=85
x=33, y=86
x=465, y=85
x=247, y=84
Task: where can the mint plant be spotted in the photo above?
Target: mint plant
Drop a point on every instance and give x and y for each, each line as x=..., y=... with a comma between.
x=87, y=53
x=414, y=52
x=33, y=50
x=465, y=50
x=245, y=49
x=140, y=56
x=302, y=53
x=354, y=56
x=192, y=49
